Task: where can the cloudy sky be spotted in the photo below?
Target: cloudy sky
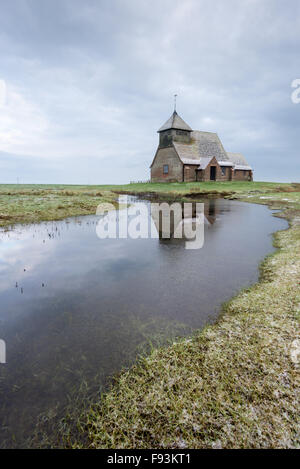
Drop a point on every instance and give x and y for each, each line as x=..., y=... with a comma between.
x=85, y=84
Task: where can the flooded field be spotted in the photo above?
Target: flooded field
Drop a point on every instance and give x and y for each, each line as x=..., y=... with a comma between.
x=75, y=309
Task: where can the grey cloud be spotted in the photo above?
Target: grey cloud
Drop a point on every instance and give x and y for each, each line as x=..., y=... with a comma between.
x=103, y=75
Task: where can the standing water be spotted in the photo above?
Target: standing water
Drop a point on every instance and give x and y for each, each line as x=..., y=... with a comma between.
x=75, y=309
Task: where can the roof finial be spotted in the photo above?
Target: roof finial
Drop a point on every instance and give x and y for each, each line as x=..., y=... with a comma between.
x=175, y=97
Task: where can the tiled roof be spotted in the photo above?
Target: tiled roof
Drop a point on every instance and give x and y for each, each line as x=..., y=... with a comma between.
x=175, y=122
x=239, y=161
x=243, y=167
x=187, y=151
x=225, y=163
x=204, y=162
x=209, y=145
x=203, y=147
x=188, y=161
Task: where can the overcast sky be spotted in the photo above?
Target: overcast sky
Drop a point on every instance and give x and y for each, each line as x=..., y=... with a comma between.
x=85, y=84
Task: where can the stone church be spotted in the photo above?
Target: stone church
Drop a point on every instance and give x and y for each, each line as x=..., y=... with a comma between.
x=186, y=155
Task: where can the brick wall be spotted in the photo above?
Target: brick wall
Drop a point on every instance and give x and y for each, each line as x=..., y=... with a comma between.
x=167, y=156
x=228, y=174
x=240, y=175
x=190, y=173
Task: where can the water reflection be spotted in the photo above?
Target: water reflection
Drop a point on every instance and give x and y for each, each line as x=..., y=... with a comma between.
x=169, y=227
x=75, y=309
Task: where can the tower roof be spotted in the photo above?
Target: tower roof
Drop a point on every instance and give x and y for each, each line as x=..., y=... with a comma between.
x=175, y=122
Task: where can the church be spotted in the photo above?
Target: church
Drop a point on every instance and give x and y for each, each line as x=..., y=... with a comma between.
x=186, y=155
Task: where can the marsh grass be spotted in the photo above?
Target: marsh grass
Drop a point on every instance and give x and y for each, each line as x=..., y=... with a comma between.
x=25, y=203
x=231, y=385
x=30, y=204
x=61, y=425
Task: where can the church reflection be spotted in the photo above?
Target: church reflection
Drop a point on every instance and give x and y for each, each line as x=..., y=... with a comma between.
x=168, y=236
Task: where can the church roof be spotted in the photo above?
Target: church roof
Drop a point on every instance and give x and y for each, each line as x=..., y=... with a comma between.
x=175, y=122
x=188, y=153
x=209, y=145
x=204, y=146
x=238, y=160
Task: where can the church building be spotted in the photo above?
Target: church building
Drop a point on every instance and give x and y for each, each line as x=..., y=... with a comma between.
x=186, y=155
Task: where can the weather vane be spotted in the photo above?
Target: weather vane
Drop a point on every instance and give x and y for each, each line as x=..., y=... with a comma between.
x=175, y=97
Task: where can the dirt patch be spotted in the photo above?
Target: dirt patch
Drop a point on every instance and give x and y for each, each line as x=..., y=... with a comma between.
x=176, y=196
x=211, y=194
x=295, y=188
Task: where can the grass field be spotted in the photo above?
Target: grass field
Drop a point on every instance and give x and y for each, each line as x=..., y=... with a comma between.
x=31, y=204
x=203, y=187
x=34, y=203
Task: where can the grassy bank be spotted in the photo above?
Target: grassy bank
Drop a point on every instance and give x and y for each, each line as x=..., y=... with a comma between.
x=21, y=203
x=232, y=385
x=35, y=203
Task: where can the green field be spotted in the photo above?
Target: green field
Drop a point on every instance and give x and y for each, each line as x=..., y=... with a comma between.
x=34, y=203
x=31, y=204
x=205, y=187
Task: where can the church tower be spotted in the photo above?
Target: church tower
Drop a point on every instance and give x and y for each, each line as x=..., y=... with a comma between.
x=174, y=130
